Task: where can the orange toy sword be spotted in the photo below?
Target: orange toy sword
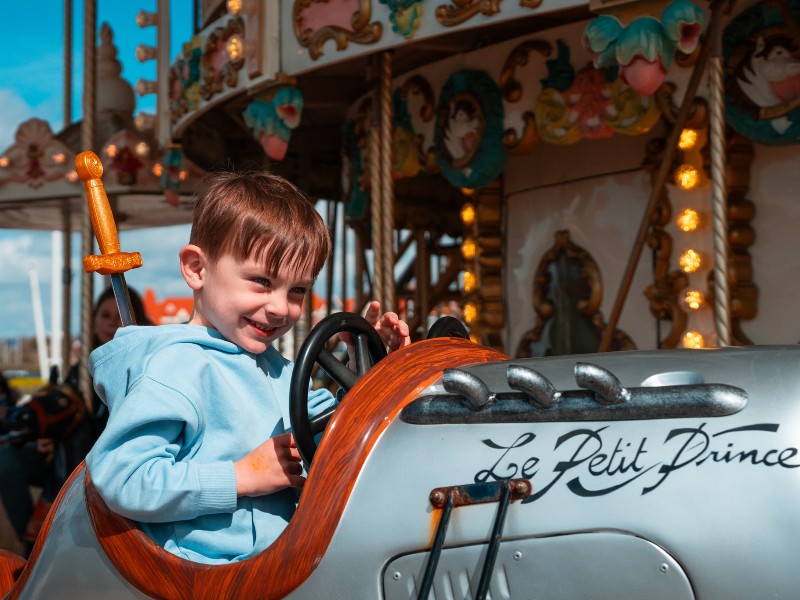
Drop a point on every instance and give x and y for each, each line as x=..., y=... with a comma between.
x=111, y=262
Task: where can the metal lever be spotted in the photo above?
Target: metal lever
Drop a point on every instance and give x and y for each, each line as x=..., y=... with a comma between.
x=447, y=498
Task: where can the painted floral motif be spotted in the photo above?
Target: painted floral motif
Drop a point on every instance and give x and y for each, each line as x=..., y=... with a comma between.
x=645, y=48
x=406, y=16
x=184, y=94
x=272, y=121
x=592, y=103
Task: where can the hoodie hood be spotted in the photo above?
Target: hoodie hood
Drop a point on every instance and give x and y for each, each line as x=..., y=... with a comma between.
x=123, y=360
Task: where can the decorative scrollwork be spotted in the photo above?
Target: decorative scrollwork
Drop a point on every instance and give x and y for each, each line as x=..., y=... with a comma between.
x=518, y=57
x=213, y=78
x=698, y=115
x=363, y=32
x=463, y=10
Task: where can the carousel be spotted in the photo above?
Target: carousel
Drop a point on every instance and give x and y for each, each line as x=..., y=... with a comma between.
x=563, y=178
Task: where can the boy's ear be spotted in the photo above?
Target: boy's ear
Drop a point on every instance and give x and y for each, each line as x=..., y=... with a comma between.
x=193, y=266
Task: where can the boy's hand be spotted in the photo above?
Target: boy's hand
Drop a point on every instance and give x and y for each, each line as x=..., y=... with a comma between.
x=273, y=466
x=393, y=331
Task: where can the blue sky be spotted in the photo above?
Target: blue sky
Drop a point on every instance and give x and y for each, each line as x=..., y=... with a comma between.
x=31, y=85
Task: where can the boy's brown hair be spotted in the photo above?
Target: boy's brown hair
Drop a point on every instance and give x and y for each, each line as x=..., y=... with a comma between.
x=259, y=215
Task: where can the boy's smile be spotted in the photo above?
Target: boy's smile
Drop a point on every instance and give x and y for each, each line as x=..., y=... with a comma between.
x=248, y=306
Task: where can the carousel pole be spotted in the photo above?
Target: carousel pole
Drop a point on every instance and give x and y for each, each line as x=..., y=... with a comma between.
x=719, y=198
x=375, y=217
x=87, y=238
x=66, y=272
x=386, y=183
x=658, y=185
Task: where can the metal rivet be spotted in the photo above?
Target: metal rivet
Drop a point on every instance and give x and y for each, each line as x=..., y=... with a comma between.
x=664, y=567
x=517, y=555
x=396, y=575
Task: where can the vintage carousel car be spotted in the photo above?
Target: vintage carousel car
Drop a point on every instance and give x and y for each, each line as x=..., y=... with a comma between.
x=452, y=471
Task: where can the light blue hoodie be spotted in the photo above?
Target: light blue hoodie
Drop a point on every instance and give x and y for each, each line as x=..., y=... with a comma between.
x=184, y=405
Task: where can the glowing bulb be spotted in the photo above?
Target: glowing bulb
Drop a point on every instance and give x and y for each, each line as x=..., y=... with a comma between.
x=686, y=176
x=690, y=261
x=234, y=6
x=4, y=161
x=470, y=313
x=157, y=169
x=182, y=175
x=235, y=48
x=111, y=151
x=142, y=149
x=693, y=339
x=688, y=139
x=72, y=176
x=469, y=281
x=693, y=299
x=468, y=249
x=467, y=214
x=467, y=191
x=688, y=220
x=58, y=158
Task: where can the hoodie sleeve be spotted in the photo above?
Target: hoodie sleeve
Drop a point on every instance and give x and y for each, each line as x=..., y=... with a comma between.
x=136, y=463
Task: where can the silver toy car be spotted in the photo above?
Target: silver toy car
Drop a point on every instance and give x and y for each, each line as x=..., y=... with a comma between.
x=449, y=471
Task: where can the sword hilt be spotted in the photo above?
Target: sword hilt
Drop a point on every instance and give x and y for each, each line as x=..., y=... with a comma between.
x=90, y=169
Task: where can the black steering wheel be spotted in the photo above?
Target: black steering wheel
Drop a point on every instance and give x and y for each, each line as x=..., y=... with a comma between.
x=448, y=326
x=369, y=349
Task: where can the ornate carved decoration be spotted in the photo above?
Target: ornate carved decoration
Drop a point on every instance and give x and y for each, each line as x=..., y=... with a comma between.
x=698, y=114
x=36, y=156
x=463, y=10
x=218, y=68
x=418, y=85
x=512, y=92
x=567, y=292
x=362, y=32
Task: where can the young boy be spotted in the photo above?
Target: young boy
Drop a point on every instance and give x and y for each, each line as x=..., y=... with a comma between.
x=197, y=447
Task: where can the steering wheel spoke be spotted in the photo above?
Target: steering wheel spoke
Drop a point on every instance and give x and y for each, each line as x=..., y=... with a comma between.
x=333, y=367
x=369, y=349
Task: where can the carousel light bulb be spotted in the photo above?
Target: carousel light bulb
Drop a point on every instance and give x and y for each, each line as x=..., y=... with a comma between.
x=145, y=87
x=688, y=139
x=693, y=339
x=144, y=52
x=234, y=6
x=146, y=19
x=690, y=261
x=693, y=299
x=182, y=175
x=4, y=162
x=688, y=220
x=111, y=151
x=72, y=176
x=157, y=169
x=58, y=158
x=468, y=249
x=142, y=149
x=467, y=214
x=235, y=48
x=467, y=191
x=144, y=121
x=687, y=176
x=469, y=281
x=470, y=313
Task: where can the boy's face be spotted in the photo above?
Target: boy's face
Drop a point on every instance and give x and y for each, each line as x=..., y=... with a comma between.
x=248, y=306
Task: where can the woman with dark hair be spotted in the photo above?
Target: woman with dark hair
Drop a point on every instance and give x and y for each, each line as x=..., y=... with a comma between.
x=45, y=462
